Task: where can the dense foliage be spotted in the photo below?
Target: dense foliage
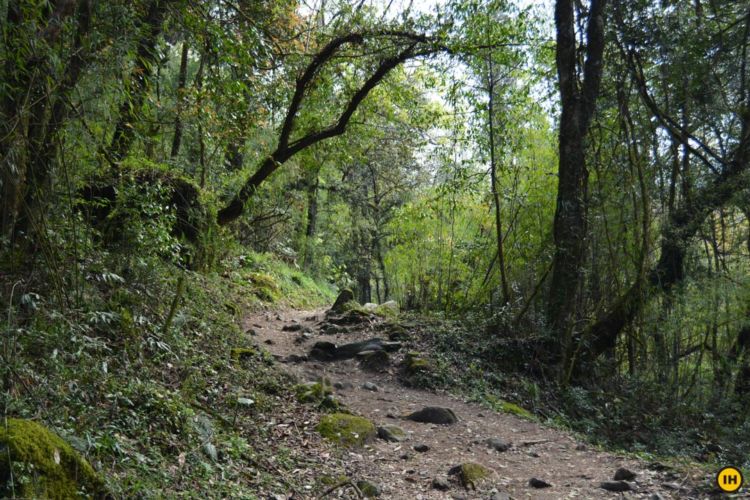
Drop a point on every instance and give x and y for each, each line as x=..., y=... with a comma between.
x=570, y=179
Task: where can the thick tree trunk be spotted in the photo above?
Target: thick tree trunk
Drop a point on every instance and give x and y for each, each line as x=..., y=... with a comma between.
x=569, y=229
x=30, y=145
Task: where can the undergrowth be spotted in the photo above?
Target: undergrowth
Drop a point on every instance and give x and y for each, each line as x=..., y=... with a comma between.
x=629, y=414
x=136, y=371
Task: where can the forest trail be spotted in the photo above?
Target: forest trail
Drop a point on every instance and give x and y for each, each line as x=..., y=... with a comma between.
x=572, y=468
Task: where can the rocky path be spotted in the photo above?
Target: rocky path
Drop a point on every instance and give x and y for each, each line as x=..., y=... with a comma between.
x=573, y=469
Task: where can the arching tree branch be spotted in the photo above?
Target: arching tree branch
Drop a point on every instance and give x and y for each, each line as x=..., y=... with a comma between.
x=286, y=147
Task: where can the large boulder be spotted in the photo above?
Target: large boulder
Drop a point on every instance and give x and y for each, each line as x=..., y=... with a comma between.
x=339, y=306
x=43, y=465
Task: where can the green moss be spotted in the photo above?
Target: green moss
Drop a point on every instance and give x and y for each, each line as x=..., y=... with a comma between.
x=313, y=392
x=348, y=430
x=472, y=473
x=320, y=393
x=396, y=332
x=242, y=353
x=516, y=410
x=387, y=310
x=332, y=480
x=44, y=466
x=265, y=287
x=414, y=363
x=356, y=307
x=368, y=489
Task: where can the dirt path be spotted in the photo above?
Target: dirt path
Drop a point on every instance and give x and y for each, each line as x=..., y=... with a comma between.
x=573, y=469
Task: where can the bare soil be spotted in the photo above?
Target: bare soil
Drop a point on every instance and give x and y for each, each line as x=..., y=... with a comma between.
x=574, y=469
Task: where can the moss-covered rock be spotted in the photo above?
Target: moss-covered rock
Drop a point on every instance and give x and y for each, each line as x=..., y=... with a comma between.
x=368, y=489
x=374, y=361
x=348, y=430
x=391, y=433
x=516, y=410
x=416, y=371
x=470, y=474
x=43, y=465
x=345, y=296
x=414, y=363
x=395, y=331
x=388, y=309
x=243, y=353
x=319, y=393
x=264, y=287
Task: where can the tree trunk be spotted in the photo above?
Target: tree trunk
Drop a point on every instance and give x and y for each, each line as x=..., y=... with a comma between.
x=569, y=229
x=493, y=181
x=33, y=144
x=312, y=218
x=181, y=81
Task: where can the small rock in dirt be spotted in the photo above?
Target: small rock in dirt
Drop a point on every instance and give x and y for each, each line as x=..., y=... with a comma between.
x=655, y=496
x=343, y=385
x=329, y=329
x=498, y=444
x=245, y=402
x=404, y=456
x=251, y=331
x=391, y=433
x=441, y=484
x=499, y=495
x=269, y=342
x=623, y=474
x=294, y=358
x=421, y=448
x=672, y=486
x=615, y=486
x=458, y=496
x=391, y=415
x=304, y=337
x=539, y=483
x=369, y=386
x=368, y=489
x=433, y=415
x=294, y=327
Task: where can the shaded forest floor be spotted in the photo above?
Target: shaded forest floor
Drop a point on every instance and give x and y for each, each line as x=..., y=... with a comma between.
x=573, y=468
